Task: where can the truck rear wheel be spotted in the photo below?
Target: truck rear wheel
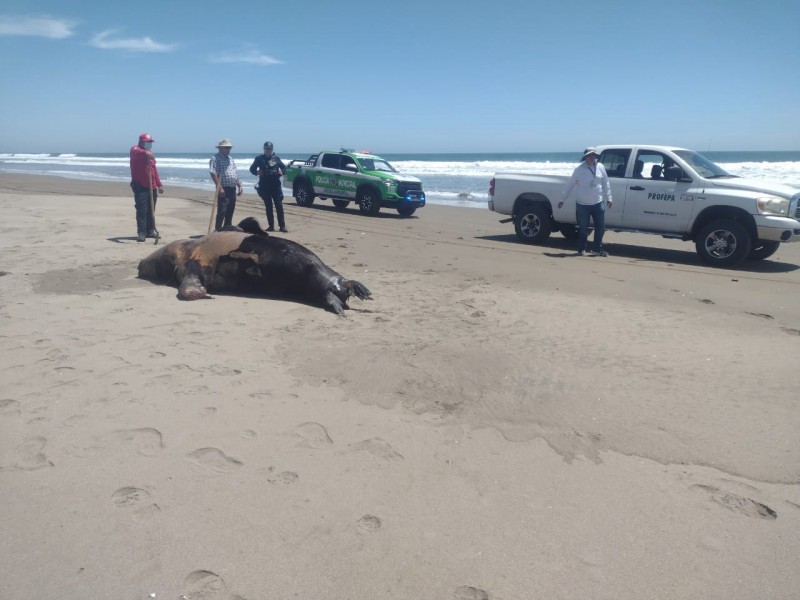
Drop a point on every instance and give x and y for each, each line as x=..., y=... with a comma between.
x=304, y=193
x=533, y=224
x=723, y=243
x=341, y=203
x=762, y=250
x=369, y=201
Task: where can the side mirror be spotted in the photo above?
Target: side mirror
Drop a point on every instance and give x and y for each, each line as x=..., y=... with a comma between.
x=673, y=173
x=351, y=167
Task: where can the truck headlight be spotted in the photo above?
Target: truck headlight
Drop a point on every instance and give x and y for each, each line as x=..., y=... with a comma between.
x=772, y=205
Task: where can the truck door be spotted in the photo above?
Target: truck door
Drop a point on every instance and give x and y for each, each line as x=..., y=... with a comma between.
x=325, y=176
x=615, y=161
x=652, y=202
x=347, y=178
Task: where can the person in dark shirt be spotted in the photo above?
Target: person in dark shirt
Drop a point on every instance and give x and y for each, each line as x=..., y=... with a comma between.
x=269, y=168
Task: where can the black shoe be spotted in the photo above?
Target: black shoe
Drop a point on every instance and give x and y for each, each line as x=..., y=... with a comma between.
x=153, y=234
x=270, y=229
x=599, y=253
x=284, y=230
x=140, y=238
x=580, y=252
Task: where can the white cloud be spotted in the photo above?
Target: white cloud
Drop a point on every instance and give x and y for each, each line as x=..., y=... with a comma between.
x=56, y=29
x=250, y=57
x=105, y=41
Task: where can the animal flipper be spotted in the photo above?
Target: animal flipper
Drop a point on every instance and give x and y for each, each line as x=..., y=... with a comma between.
x=333, y=303
x=191, y=288
x=358, y=289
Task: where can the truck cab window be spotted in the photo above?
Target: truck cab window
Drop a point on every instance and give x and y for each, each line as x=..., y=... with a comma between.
x=652, y=164
x=615, y=161
x=330, y=161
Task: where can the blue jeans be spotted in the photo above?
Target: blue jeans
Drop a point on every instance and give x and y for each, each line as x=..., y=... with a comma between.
x=597, y=212
x=145, y=220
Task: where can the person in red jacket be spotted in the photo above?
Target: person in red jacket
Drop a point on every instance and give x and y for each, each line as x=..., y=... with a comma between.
x=144, y=179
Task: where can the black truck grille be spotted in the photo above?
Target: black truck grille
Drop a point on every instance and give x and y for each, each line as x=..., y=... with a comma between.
x=408, y=186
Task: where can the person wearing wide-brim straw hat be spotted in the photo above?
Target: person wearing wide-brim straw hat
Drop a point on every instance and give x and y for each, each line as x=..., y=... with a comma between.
x=592, y=195
x=223, y=173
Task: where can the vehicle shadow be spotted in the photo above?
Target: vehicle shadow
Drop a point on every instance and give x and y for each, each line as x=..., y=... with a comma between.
x=563, y=248
x=352, y=209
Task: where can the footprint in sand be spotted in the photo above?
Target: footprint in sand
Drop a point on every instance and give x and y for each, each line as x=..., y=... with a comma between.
x=737, y=503
x=377, y=447
x=284, y=477
x=10, y=408
x=215, y=459
x=206, y=585
x=136, y=499
x=130, y=496
x=466, y=592
x=313, y=435
x=147, y=440
x=369, y=524
x=28, y=456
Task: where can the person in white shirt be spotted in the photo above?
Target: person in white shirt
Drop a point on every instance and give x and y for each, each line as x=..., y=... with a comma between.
x=592, y=195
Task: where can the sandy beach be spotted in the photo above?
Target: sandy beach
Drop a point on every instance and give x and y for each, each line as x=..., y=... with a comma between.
x=501, y=421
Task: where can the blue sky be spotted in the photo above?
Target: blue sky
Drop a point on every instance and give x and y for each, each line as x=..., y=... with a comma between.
x=410, y=76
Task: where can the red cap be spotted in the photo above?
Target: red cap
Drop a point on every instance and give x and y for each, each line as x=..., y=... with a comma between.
x=145, y=137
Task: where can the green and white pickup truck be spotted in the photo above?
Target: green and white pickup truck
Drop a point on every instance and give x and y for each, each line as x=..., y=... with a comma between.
x=346, y=175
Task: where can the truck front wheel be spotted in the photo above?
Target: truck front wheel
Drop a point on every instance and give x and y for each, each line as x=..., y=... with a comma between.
x=533, y=224
x=304, y=193
x=369, y=201
x=406, y=211
x=762, y=250
x=723, y=243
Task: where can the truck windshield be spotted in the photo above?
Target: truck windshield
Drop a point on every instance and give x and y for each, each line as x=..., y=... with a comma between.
x=704, y=167
x=376, y=164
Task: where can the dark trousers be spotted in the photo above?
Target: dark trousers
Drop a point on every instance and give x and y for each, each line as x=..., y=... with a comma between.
x=145, y=219
x=272, y=194
x=226, y=204
x=597, y=212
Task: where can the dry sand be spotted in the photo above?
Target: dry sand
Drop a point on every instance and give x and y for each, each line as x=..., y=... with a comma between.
x=502, y=421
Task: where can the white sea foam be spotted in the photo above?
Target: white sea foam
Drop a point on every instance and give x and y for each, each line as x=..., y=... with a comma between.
x=458, y=183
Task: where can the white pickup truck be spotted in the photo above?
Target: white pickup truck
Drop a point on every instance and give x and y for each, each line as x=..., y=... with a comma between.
x=672, y=192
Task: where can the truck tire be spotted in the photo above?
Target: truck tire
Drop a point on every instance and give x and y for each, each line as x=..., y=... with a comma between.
x=533, y=224
x=723, y=243
x=406, y=211
x=304, y=193
x=369, y=201
x=341, y=203
x=762, y=250
x=570, y=232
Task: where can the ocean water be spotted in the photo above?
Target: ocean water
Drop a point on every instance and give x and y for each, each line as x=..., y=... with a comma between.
x=454, y=179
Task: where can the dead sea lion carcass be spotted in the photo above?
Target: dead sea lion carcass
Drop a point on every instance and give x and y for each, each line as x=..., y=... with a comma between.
x=253, y=263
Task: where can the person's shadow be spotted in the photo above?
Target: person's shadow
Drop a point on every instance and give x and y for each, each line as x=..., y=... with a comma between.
x=123, y=239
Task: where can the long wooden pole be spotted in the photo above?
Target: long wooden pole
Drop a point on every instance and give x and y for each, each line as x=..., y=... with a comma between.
x=152, y=203
x=214, y=204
